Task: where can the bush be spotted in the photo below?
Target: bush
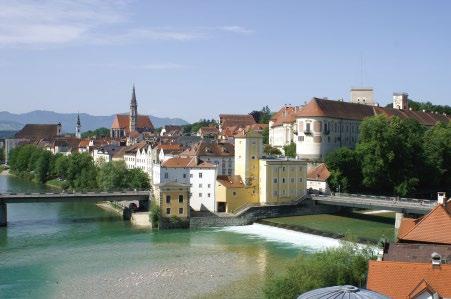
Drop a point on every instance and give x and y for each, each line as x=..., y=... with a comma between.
x=154, y=214
x=346, y=264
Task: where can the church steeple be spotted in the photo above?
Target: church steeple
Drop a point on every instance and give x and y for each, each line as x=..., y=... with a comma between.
x=133, y=111
x=78, y=127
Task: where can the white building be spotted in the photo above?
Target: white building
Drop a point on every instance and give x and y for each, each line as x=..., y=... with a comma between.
x=218, y=153
x=282, y=127
x=317, y=179
x=200, y=175
x=105, y=153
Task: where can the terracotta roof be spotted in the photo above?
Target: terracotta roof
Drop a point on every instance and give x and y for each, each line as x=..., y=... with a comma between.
x=434, y=227
x=401, y=279
x=318, y=173
x=38, y=131
x=416, y=253
x=239, y=120
x=231, y=181
x=286, y=115
x=173, y=130
x=247, y=133
x=214, y=149
x=84, y=143
x=256, y=127
x=208, y=131
x=122, y=121
x=186, y=162
x=345, y=110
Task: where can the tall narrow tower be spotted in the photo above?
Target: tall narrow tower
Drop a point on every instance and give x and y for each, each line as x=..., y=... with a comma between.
x=133, y=111
x=78, y=127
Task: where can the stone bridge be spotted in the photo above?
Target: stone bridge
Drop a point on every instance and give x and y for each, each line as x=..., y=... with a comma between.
x=399, y=205
x=142, y=197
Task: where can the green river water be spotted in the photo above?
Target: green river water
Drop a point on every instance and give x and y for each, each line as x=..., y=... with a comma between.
x=78, y=250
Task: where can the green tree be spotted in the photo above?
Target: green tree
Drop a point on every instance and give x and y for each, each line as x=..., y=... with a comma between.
x=43, y=170
x=265, y=134
x=137, y=179
x=344, y=166
x=347, y=264
x=262, y=116
x=290, y=150
x=112, y=175
x=100, y=132
x=271, y=151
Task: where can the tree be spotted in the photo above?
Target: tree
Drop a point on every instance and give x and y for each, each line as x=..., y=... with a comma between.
x=262, y=116
x=345, y=265
x=99, y=132
x=265, y=134
x=290, y=150
x=112, y=175
x=344, y=167
x=137, y=179
x=391, y=154
x=42, y=170
x=271, y=151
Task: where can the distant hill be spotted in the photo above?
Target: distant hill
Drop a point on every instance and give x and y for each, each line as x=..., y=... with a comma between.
x=13, y=122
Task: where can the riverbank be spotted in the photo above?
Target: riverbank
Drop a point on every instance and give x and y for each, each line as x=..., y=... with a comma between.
x=364, y=228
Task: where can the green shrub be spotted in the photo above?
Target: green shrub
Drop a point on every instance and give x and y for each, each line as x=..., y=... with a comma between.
x=154, y=214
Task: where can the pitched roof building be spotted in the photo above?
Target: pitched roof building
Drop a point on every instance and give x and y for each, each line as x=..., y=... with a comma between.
x=124, y=124
x=232, y=120
x=39, y=131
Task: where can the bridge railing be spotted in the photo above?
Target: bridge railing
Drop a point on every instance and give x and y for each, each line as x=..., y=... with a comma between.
x=377, y=197
x=68, y=192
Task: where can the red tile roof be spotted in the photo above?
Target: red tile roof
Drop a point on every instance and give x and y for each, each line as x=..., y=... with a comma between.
x=230, y=181
x=239, y=120
x=286, y=115
x=122, y=121
x=38, y=131
x=186, y=162
x=213, y=149
x=345, y=110
x=434, y=227
x=401, y=279
x=318, y=173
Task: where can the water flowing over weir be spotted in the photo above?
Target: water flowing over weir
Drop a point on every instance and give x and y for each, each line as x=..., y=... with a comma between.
x=275, y=234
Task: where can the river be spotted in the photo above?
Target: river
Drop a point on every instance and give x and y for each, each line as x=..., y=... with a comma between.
x=78, y=250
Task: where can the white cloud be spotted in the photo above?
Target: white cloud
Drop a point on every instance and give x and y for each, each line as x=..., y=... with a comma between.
x=237, y=29
x=44, y=23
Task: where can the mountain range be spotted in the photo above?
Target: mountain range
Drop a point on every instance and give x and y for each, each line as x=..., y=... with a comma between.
x=14, y=122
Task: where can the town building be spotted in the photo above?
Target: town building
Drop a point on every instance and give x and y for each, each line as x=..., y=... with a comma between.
x=124, y=124
x=317, y=176
x=282, y=127
x=105, y=153
x=198, y=174
x=235, y=120
x=218, y=153
x=363, y=95
x=325, y=125
x=174, y=202
x=171, y=130
x=210, y=132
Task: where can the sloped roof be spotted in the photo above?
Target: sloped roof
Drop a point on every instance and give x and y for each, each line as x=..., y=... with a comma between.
x=240, y=120
x=208, y=131
x=122, y=121
x=38, y=131
x=399, y=279
x=231, y=181
x=214, y=149
x=434, y=227
x=415, y=252
x=341, y=292
x=241, y=133
x=318, y=173
x=345, y=110
x=186, y=162
x=286, y=115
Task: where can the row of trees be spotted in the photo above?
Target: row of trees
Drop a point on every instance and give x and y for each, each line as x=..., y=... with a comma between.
x=76, y=171
x=393, y=156
x=100, y=132
x=194, y=127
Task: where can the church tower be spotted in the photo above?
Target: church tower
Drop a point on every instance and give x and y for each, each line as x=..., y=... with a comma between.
x=78, y=127
x=133, y=111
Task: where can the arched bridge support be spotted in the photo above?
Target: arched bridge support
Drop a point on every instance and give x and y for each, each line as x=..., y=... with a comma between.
x=3, y=214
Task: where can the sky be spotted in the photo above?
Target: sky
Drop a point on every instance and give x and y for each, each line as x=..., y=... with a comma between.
x=196, y=59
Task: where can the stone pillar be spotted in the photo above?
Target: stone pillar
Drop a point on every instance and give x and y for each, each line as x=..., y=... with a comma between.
x=398, y=220
x=3, y=214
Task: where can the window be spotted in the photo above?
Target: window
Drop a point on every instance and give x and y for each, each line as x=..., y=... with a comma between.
x=275, y=193
x=168, y=211
x=292, y=180
x=200, y=175
x=190, y=175
x=234, y=193
x=200, y=185
x=307, y=127
x=184, y=175
x=300, y=180
x=180, y=210
x=253, y=157
x=166, y=175
x=180, y=198
x=209, y=185
x=200, y=194
x=283, y=168
x=300, y=138
x=283, y=180
x=208, y=195
x=275, y=180
x=168, y=198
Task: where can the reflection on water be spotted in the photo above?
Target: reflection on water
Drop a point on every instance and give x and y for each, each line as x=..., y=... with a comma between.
x=79, y=250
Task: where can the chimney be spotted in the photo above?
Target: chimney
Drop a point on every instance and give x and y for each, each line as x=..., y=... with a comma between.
x=436, y=259
x=441, y=198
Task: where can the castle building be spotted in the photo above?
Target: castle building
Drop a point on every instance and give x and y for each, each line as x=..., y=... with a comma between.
x=124, y=124
x=363, y=95
x=78, y=127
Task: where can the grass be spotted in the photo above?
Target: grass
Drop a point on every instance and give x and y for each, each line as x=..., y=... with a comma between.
x=364, y=227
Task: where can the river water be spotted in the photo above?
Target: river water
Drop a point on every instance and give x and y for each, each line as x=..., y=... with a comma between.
x=78, y=250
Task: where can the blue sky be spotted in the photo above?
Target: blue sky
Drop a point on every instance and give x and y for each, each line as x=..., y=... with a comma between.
x=196, y=59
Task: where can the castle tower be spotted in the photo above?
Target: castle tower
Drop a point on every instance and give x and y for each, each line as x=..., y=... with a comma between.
x=248, y=151
x=400, y=100
x=133, y=111
x=78, y=127
x=363, y=95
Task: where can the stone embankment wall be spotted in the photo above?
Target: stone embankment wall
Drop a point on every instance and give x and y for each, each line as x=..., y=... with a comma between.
x=253, y=214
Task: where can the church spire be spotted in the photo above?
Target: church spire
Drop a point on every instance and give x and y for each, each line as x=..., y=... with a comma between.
x=78, y=127
x=133, y=111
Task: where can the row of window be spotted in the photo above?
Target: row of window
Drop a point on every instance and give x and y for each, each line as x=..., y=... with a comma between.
x=168, y=211
x=168, y=198
x=166, y=175
x=275, y=180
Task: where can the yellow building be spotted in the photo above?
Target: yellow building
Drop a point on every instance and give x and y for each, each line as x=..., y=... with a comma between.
x=258, y=180
x=173, y=199
x=282, y=180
